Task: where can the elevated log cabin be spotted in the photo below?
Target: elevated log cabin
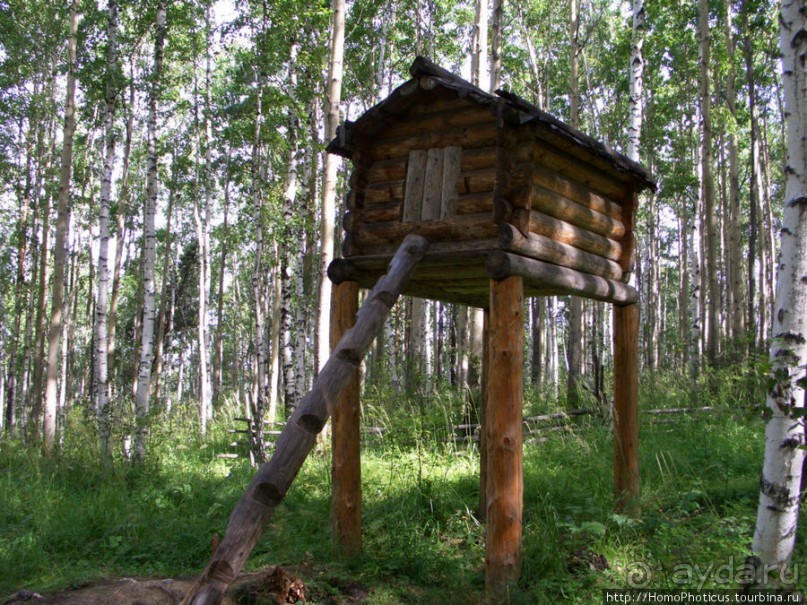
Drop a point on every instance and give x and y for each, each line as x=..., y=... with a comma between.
x=496, y=185
x=477, y=199
x=513, y=203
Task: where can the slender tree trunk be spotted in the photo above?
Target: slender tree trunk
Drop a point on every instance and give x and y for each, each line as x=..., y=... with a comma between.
x=121, y=232
x=634, y=145
x=536, y=67
x=162, y=327
x=202, y=219
x=333, y=95
x=755, y=192
x=574, y=348
x=10, y=395
x=552, y=343
x=735, y=277
x=695, y=293
x=258, y=288
x=30, y=387
x=777, y=516
x=712, y=294
x=149, y=248
x=200, y=216
x=636, y=81
x=290, y=246
x=101, y=372
x=67, y=331
x=274, y=382
x=766, y=240
x=496, y=45
x=538, y=306
x=55, y=328
x=38, y=352
x=479, y=47
x=218, y=347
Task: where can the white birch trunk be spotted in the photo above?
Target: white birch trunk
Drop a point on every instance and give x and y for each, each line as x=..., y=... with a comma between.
x=101, y=301
x=202, y=217
x=574, y=348
x=333, y=95
x=710, y=237
x=735, y=273
x=476, y=343
x=55, y=328
x=695, y=295
x=636, y=81
x=274, y=381
x=479, y=47
x=777, y=516
x=535, y=68
x=149, y=252
x=553, y=356
x=258, y=289
x=290, y=246
x=496, y=45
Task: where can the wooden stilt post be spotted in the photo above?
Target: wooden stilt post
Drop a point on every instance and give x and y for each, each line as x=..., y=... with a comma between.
x=484, y=415
x=626, y=408
x=346, y=436
x=505, y=485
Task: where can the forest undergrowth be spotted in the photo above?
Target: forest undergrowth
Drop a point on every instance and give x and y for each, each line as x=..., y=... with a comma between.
x=63, y=522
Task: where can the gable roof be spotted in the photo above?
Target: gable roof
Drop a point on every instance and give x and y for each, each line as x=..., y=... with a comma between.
x=507, y=107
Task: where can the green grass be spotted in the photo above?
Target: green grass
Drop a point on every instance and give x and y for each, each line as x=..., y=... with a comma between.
x=63, y=523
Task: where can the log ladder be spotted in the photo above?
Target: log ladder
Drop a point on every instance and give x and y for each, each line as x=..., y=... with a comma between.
x=274, y=478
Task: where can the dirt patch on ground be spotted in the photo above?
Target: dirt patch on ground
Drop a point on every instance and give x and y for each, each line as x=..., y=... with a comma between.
x=275, y=585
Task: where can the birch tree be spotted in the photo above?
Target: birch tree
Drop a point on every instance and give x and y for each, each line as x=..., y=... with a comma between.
x=574, y=350
x=59, y=257
x=712, y=294
x=636, y=81
x=735, y=273
x=101, y=348
x=258, y=284
x=479, y=46
x=201, y=217
x=289, y=248
x=496, y=45
x=333, y=97
x=777, y=515
x=149, y=247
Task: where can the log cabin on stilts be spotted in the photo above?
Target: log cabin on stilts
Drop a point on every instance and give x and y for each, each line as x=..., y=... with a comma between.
x=461, y=196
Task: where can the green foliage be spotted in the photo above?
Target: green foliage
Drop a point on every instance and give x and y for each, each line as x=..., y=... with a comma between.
x=62, y=522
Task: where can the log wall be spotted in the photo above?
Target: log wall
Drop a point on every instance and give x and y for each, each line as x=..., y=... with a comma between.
x=433, y=172
x=457, y=173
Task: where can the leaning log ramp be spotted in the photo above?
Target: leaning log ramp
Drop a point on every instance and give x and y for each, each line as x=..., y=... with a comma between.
x=274, y=478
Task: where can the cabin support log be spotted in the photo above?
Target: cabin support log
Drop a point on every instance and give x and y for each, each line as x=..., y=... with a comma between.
x=546, y=249
x=500, y=264
x=346, y=433
x=484, y=416
x=505, y=485
x=626, y=408
x=274, y=478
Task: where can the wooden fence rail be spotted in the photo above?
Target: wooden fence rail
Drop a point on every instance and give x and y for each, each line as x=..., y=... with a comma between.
x=459, y=433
